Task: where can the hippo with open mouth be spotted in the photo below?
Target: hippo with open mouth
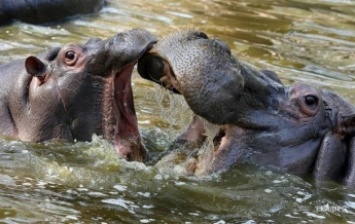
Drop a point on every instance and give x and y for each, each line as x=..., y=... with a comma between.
x=298, y=129
x=76, y=91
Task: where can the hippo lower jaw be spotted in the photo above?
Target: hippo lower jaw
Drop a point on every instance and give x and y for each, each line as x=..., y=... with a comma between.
x=119, y=116
x=212, y=141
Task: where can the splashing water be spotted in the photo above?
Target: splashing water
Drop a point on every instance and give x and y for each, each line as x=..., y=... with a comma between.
x=56, y=182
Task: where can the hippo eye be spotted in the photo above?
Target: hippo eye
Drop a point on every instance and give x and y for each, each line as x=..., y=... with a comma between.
x=311, y=100
x=308, y=104
x=70, y=55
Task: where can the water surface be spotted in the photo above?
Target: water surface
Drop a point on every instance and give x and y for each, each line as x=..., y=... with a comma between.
x=58, y=182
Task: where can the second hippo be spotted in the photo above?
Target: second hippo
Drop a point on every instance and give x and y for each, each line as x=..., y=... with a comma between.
x=298, y=129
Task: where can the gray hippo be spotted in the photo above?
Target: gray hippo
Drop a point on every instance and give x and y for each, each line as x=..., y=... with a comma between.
x=298, y=129
x=45, y=11
x=74, y=92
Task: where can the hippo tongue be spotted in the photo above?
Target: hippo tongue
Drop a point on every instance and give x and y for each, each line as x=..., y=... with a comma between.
x=126, y=137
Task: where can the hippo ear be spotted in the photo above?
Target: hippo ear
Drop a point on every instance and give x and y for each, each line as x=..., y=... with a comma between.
x=35, y=67
x=347, y=125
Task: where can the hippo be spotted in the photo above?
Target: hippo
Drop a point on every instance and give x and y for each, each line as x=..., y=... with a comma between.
x=45, y=11
x=75, y=91
x=297, y=129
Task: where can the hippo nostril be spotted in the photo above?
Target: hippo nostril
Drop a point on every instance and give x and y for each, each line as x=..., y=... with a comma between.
x=196, y=35
x=201, y=35
x=151, y=67
x=223, y=45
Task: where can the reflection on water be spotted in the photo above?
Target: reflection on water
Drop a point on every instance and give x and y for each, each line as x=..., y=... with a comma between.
x=57, y=182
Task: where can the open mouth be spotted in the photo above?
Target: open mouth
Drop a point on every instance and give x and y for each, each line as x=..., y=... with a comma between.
x=155, y=68
x=119, y=115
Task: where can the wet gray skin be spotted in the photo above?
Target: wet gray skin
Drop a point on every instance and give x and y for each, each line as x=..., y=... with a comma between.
x=45, y=11
x=298, y=129
x=74, y=92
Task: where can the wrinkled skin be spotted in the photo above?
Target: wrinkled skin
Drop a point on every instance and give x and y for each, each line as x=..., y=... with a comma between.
x=74, y=92
x=298, y=129
x=45, y=11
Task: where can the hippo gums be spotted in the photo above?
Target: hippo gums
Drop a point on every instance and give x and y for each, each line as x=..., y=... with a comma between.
x=298, y=129
x=74, y=92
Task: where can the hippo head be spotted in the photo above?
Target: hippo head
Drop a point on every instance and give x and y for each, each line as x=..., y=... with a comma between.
x=297, y=128
x=78, y=90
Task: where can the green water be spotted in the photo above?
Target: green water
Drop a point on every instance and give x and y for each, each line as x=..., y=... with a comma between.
x=55, y=182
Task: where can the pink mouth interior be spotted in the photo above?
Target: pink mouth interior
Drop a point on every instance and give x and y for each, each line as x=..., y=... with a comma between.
x=126, y=137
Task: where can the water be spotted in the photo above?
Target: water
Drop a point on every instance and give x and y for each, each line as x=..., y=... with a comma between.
x=57, y=182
